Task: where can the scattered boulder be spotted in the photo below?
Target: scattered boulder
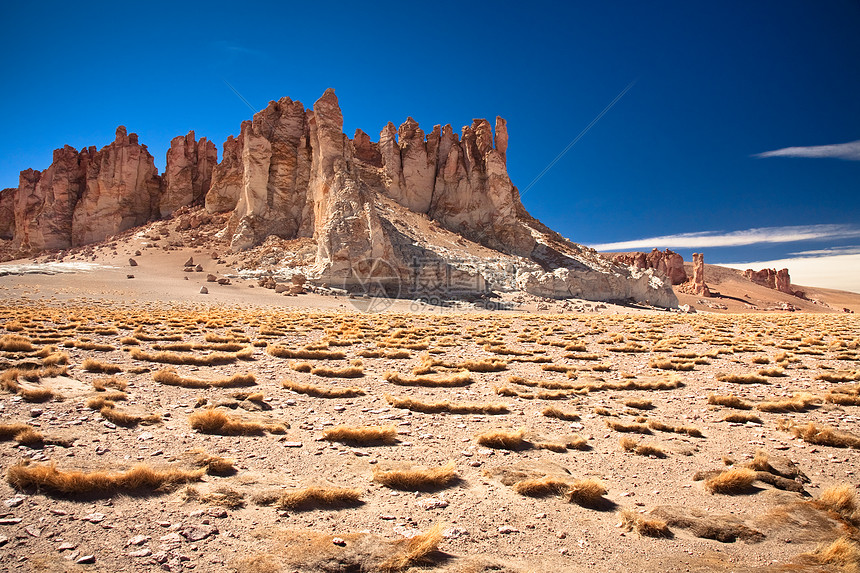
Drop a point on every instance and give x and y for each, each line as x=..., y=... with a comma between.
x=204, y=290
x=210, y=278
x=132, y=262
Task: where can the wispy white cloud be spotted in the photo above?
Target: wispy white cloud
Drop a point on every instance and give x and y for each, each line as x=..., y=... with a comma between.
x=841, y=272
x=849, y=151
x=788, y=234
x=846, y=250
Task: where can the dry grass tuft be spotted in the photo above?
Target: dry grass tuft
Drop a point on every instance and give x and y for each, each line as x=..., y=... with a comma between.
x=212, y=421
x=841, y=499
x=587, y=492
x=639, y=403
x=630, y=445
x=824, y=436
x=628, y=427
x=800, y=402
x=348, y=372
x=304, y=354
x=445, y=406
x=730, y=401
x=542, y=487
x=15, y=343
x=99, y=367
x=320, y=392
x=742, y=418
x=214, y=465
x=315, y=496
x=843, y=552
x=417, y=479
x=408, y=552
x=743, y=379
x=169, y=377
x=224, y=496
x=485, y=365
x=553, y=412
x=450, y=381
x=48, y=478
x=21, y=433
x=102, y=384
x=365, y=435
x=30, y=393
x=504, y=439
x=213, y=359
x=732, y=481
x=646, y=527
x=126, y=419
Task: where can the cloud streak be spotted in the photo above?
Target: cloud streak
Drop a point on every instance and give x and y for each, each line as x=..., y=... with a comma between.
x=788, y=234
x=849, y=151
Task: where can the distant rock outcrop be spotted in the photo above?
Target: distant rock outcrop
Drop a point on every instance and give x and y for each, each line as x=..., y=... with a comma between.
x=696, y=285
x=188, y=174
x=391, y=213
x=7, y=213
x=771, y=278
x=669, y=263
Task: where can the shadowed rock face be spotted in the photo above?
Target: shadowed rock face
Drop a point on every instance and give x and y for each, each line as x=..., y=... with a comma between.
x=293, y=173
x=668, y=263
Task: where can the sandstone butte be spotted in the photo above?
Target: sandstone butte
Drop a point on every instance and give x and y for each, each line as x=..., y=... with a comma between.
x=293, y=173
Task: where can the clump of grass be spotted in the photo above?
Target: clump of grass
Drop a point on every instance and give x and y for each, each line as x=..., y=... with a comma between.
x=587, y=492
x=417, y=479
x=388, y=354
x=628, y=427
x=504, y=439
x=304, y=354
x=839, y=376
x=213, y=359
x=843, y=552
x=841, y=499
x=639, y=403
x=450, y=381
x=21, y=433
x=628, y=444
x=169, y=377
x=365, y=435
x=212, y=421
x=547, y=384
x=775, y=372
x=672, y=364
x=663, y=427
x=541, y=487
x=742, y=418
x=99, y=367
x=348, y=372
x=653, y=527
x=102, y=384
x=15, y=343
x=407, y=552
x=122, y=418
x=320, y=392
x=9, y=382
x=485, y=365
x=742, y=378
x=445, y=406
x=224, y=496
x=305, y=367
x=553, y=412
x=800, y=402
x=214, y=465
x=730, y=401
x=732, y=481
x=48, y=478
x=824, y=436
x=55, y=359
x=315, y=496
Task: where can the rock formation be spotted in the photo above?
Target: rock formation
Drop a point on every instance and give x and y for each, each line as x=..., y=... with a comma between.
x=386, y=213
x=698, y=282
x=188, y=173
x=771, y=278
x=85, y=196
x=7, y=213
x=668, y=263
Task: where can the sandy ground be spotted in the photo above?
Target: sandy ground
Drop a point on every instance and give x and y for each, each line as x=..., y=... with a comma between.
x=601, y=359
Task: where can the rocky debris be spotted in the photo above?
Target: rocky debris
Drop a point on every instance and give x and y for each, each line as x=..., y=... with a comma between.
x=771, y=278
x=668, y=263
x=223, y=281
x=189, y=262
x=210, y=278
x=132, y=262
x=198, y=532
x=85, y=559
x=204, y=290
x=188, y=173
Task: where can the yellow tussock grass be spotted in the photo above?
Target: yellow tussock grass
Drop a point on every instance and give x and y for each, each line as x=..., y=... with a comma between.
x=585, y=492
x=102, y=384
x=15, y=343
x=361, y=434
x=214, y=465
x=504, y=439
x=320, y=392
x=628, y=427
x=315, y=496
x=445, y=406
x=732, y=481
x=48, y=478
x=123, y=418
x=348, y=372
x=843, y=552
x=800, y=402
x=742, y=418
x=99, y=367
x=824, y=436
x=212, y=421
x=646, y=527
x=170, y=377
x=730, y=401
x=553, y=412
x=841, y=499
x=213, y=359
x=304, y=354
x=742, y=379
x=541, y=487
x=417, y=479
x=450, y=381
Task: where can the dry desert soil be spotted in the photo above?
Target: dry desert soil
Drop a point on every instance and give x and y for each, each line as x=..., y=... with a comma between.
x=145, y=427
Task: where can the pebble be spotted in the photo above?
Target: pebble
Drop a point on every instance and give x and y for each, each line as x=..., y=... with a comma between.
x=84, y=559
x=293, y=444
x=199, y=532
x=14, y=501
x=137, y=540
x=10, y=520
x=433, y=503
x=145, y=552
x=94, y=517
x=33, y=531
x=3, y=540
x=505, y=529
x=339, y=541
x=66, y=546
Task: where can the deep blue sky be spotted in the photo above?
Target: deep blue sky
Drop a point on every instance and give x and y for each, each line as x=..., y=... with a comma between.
x=716, y=83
